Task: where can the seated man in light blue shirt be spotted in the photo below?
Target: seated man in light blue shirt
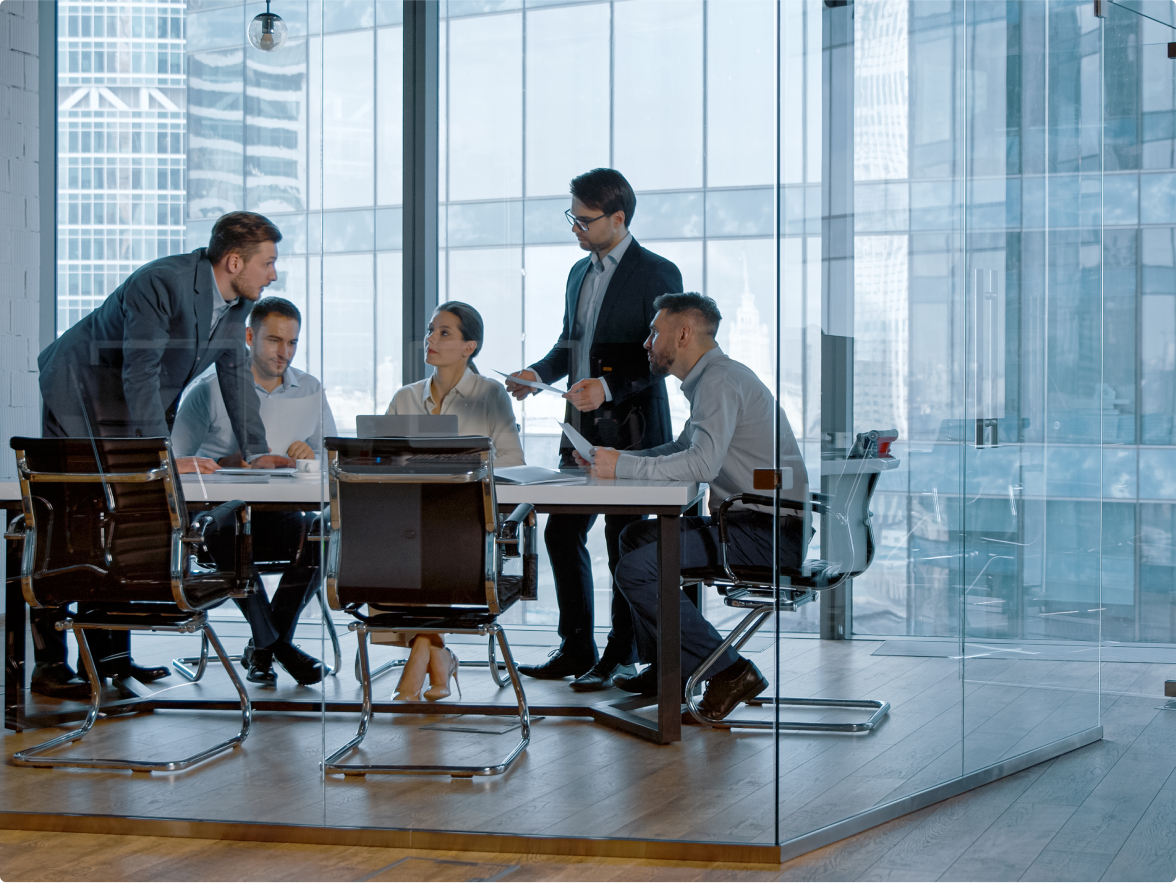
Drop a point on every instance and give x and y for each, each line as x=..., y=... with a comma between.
x=729, y=434
x=295, y=414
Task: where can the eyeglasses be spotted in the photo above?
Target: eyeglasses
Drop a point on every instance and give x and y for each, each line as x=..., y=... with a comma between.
x=582, y=223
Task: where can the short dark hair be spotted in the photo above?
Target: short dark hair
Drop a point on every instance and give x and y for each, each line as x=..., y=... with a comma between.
x=240, y=232
x=606, y=190
x=692, y=301
x=273, y=306
x=470, y=320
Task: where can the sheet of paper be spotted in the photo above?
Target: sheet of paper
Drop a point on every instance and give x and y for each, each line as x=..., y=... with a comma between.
x=535, y=475
x=289, y=420
x=534, y=384
x=579, y=442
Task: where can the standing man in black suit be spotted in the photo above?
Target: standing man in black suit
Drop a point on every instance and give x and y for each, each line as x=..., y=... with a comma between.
x=119, y=373
x=613, y=400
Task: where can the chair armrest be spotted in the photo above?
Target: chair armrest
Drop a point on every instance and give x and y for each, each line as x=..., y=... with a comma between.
x=232, y=515
x=16, y=528
x=508, y=537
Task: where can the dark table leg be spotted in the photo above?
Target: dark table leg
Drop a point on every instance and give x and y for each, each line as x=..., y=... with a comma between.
x=14, y=633
x=669, y=630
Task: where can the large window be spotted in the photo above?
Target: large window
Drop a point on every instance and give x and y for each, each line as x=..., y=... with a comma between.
x=167, y=119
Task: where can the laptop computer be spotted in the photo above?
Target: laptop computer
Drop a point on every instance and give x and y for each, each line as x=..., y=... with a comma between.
x=406, y=425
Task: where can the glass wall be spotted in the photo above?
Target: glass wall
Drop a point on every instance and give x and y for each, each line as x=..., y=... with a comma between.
x=950, y=218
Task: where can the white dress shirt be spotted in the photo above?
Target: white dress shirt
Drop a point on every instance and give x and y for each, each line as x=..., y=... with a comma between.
x=482, y=407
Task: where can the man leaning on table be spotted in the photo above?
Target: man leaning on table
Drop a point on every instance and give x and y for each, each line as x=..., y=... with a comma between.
x=729, y=434
x=612, y=400
x=295, y=414
x=119, y=373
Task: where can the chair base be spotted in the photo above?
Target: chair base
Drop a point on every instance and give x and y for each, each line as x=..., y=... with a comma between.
x=183, y=664
x=495, y=632
x=739, y=636
x=35, y=756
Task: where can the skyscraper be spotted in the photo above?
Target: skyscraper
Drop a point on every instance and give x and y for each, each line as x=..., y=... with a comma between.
x=121, y=145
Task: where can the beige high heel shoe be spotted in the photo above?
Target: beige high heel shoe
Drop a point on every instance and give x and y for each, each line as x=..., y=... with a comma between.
x=443, y=664
x=412, y=678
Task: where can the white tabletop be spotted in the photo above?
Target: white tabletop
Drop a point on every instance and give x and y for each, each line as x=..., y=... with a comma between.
x=589, y=493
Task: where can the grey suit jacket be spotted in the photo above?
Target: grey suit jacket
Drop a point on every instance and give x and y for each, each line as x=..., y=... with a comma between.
x=119, y=372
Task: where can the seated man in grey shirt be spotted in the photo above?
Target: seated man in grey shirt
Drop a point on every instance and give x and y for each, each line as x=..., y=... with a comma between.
x=295, y=414
x=729, y=435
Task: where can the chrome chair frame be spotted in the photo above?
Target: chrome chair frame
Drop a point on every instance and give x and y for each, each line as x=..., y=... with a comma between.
x=514, y=538
x=796, y=588
x=188, y=618
x=495, y=632
x=198, y=622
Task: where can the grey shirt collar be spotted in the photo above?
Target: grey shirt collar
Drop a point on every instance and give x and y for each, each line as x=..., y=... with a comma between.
x=691, y=381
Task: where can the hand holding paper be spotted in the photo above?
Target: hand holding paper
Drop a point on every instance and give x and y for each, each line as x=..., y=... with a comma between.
x=580, y=443
x=534, y=384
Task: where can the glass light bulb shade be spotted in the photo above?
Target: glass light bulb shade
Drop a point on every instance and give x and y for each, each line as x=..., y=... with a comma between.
x=267, y=32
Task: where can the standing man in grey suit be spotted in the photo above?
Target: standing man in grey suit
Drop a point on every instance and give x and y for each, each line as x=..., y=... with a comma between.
x=119, y=373
x=613, y=400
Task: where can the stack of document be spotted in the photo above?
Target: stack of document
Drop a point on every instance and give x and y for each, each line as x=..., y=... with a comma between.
x=535, y=475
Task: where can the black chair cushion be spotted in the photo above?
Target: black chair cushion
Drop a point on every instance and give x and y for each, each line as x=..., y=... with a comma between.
x=811, y=575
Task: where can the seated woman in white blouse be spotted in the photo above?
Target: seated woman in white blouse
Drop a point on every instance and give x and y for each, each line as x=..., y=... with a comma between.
x=483, y=407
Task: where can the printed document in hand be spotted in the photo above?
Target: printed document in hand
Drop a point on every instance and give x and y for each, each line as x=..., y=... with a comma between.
x=579, y=443
x=534, y=384
x=535, y=475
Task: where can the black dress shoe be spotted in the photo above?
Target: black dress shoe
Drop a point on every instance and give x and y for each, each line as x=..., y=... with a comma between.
x=600, y=676
x=303, y=667
x=123, y=688
x=58, y=681
x=562, y=664
x=644, y=684
x=734, y=684
x=145, y=675
x=259, y=665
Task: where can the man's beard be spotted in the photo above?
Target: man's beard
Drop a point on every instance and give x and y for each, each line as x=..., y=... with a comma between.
x=239, y=290
x=659, y=365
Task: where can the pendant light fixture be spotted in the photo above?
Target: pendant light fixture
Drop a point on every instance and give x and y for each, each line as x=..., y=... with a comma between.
x=267, y=31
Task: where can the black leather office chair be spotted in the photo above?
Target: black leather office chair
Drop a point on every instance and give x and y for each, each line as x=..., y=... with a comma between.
x=848, y=550
x=105, y=527
x=415, y=539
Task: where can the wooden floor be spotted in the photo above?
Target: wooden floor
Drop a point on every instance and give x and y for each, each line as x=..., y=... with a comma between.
x=1108, y=810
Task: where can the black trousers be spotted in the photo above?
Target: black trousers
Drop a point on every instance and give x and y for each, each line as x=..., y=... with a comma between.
x=566, y=537
x=749, y=542
x=277, y=537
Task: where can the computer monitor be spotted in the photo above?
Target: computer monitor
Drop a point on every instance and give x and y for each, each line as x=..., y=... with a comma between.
x=406, y=425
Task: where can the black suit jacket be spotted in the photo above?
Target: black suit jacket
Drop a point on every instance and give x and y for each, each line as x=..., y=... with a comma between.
x=638, y=416
x=120, y=371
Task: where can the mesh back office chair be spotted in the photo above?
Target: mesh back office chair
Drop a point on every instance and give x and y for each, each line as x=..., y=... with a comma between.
x=849, y=550
x=415, y=537
x=105, y=527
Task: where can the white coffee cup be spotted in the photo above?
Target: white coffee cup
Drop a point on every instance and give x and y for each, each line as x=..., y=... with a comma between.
x=308, y=467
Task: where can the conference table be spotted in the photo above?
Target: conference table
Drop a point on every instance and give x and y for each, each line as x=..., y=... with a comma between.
x=665, y=501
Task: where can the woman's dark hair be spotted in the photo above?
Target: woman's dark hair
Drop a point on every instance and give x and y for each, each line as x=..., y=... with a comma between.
x=240, y=232
x=607, y=191
x=470, y=320
x=273, y=306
